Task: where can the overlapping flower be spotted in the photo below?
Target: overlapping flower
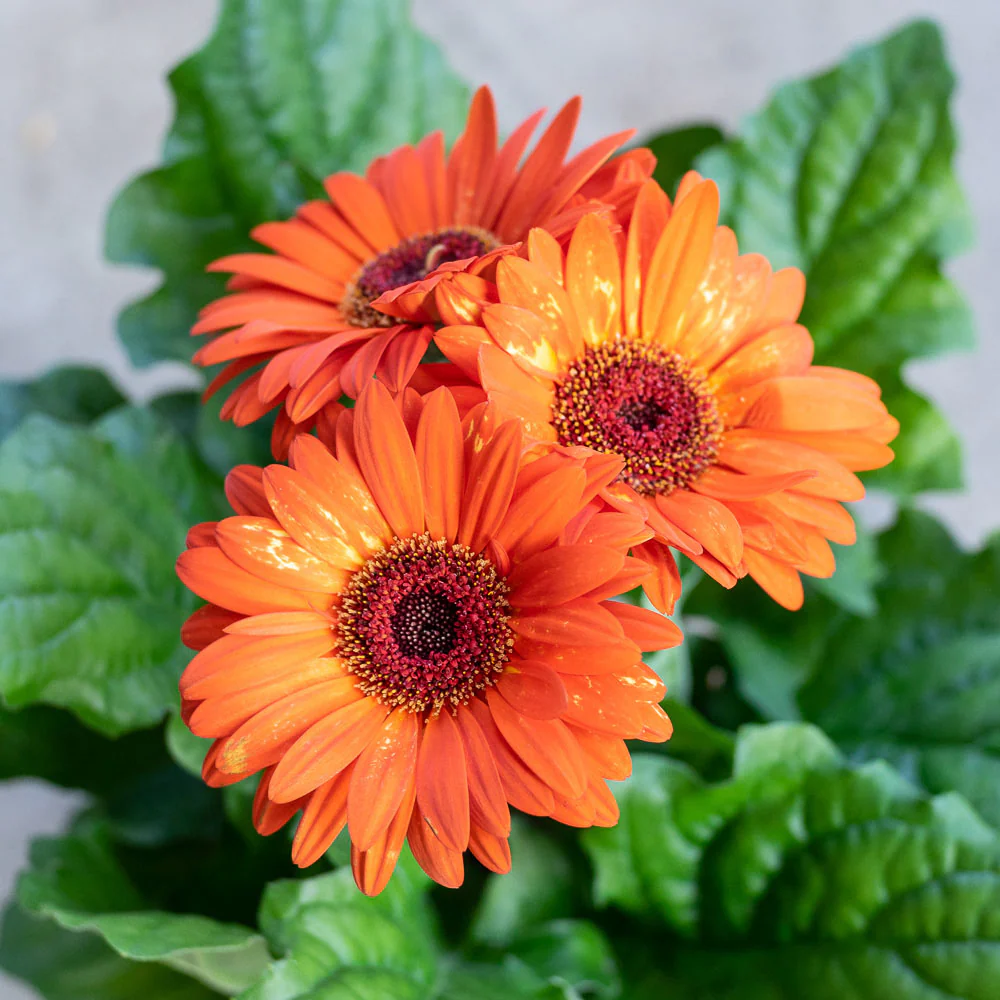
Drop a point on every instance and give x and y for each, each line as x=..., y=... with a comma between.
x=299, y=323
x=409, y=635
x=670, y=351
x=413, y=626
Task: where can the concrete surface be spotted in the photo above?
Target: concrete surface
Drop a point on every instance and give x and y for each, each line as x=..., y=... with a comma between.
x=84, y=106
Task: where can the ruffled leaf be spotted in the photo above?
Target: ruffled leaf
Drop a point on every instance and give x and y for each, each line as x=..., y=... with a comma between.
x=801, y=875
x=279, y=97
x=91, y=521
x=849, y=176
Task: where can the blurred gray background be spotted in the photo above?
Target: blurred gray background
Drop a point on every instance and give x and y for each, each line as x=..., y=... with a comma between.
x=85, y=105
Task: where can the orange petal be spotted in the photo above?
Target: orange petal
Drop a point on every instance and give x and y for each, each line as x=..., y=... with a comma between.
x=373, y=868
x=532, y=689
x=647, y=629
x=558, y=575
x=281, y=272
x=523, y=283
x=601, y=704
x=223, y=713
x=439, y=452
x=250, y=660
x=721, y=484
x=649, y=216
x=441, y=863
x=800, y=403
x=344, y=491
x=262, y=547
x=706, y=520
x=777, y=579
x=443, y=783
x=326, y=749
x=471, y=162
x=206, y=625
x=245, y=491
x=545, y=254
x=547, y=747
x=386, y=456
x=362, y=206
x=593, y=280
x=828, y=516
x=677, y=263
x=663, y=586
x=261, y=740
x=216, y=578
x=380, y=777
x=608, y=754
x=489, y=486
x=280, y=623
x=534, y=178
x=526, y=337
x=785, y=350
x=758, y=454
x=487, y=803
x=324, y=816
x=490, y=851
x=269, y=817
x=299, y=241
x=310, y=516
x=581, y=622
x=522, y=787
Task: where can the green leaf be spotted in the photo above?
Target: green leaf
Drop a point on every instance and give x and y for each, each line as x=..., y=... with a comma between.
x=77, y=882
x=571, y=952
x=802, y=876
x=539, y=887
x=677, y=149
x=918, y=683
x=849, y=176
x=91, y=521
x=695, y=741
x=63, y=965
x=852, y=586
x=72, y=393
x=47, y=743
x=279, y=97
x=335, y=940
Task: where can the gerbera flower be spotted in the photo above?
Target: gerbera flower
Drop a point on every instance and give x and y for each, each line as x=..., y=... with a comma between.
x=413, y=635
x=669, y=351
x=302, y=319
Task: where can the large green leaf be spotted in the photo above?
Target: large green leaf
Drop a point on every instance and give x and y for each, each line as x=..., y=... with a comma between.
x=280, y=96
x=91, y=521
x=77, y=882
x=48, y=743
x=72, y=393
x=920, y=683
x=539, y=887
x=848, y=176
x=801, y=876
x=335, y=940
x=917, y=684
x=64, y=965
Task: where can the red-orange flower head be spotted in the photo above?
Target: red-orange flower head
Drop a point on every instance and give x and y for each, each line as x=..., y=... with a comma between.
x=665, y=348
x=413, y=635
x=301, y=320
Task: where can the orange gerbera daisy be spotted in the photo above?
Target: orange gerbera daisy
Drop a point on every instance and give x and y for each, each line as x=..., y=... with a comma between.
x=413, y=634
x=684, y=360
x=302, y=319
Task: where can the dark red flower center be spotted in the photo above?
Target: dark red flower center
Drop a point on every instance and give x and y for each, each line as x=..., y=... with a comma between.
x=408, y=261
x=646, y=405
x=424, y=624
